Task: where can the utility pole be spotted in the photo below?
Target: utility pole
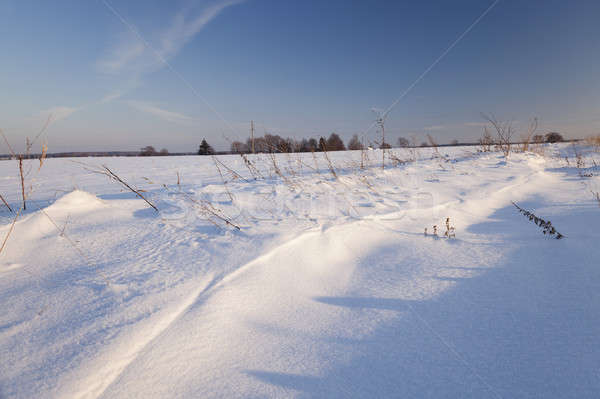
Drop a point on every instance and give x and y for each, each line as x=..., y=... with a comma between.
x=382, y=143
x=252, y=134
x=380, y=121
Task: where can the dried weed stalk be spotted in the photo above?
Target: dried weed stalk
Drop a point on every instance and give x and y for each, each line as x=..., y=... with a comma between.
x=546, y=226
x=222, y=180
x=113, y=176
x=251, y=167
x=330, y=164
x=278, y=172
x=209, y=210
x=449, y=233
x=5, y=203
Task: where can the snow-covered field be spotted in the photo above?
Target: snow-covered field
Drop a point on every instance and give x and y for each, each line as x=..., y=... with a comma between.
x=329, y=288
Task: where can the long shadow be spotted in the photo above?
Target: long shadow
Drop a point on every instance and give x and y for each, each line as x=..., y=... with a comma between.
x=367, y=302
x=530, y=327
x=295, y=382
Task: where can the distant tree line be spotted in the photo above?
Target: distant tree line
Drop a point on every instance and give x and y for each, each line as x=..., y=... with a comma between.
x=275, y=143
x=149, y=151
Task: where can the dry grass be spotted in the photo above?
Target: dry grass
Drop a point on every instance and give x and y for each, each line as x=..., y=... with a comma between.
x=450, y=230
x=209, y=210
x=396, y=160
x=278, y=172
x=486, y=141
x=22, y=181
x=234, y=175
x=593, y=140
x=12, y=226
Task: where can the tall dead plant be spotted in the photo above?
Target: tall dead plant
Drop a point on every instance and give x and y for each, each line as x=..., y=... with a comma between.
x=113, y=176
x=546, y=226
x=504, y=133
x=486, y=141
x=223, y=179
x=22, y=173
x=278, y=172
x=527, y=137
x=330, y=164
x=251, y=167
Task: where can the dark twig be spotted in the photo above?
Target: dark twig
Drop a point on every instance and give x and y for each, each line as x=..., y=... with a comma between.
x=110, y=173
x=5, y=203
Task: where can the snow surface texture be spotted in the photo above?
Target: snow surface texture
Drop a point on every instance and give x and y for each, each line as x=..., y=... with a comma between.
x=329, y=288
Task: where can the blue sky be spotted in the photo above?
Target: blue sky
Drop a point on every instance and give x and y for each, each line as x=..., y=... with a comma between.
x=197, y=69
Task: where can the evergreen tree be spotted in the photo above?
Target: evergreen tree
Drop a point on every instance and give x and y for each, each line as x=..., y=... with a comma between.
x=205, y=148
x=322, y=144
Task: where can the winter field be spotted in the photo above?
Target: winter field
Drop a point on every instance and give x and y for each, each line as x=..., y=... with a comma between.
x=295, y=276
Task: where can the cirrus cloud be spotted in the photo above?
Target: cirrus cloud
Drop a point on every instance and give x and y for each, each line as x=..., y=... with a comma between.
x=161, y=113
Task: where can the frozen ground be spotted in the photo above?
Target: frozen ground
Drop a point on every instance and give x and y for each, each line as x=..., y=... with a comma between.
x=328, y=289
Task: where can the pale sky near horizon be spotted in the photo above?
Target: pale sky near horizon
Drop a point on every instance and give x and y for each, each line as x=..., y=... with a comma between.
x=120, y=75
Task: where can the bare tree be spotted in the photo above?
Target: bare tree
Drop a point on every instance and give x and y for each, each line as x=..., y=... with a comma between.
x=147, y=151
x=403, y=142
x=504, y=133
x=237, y=147
x=354, y=143
x=533, y=125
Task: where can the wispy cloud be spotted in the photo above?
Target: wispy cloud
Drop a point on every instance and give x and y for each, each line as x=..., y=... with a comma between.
x=476, y=124
x=183, y=29
x=111, y=97
x=161, y=113
x=125, y=54
x=58, y=113
x=434, y=127
x=140, y=52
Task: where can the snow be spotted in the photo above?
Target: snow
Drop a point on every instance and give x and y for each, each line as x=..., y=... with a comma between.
x=328, y=289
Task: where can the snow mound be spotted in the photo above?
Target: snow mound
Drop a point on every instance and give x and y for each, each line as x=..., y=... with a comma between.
x=77, y=201
x=51, y=220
